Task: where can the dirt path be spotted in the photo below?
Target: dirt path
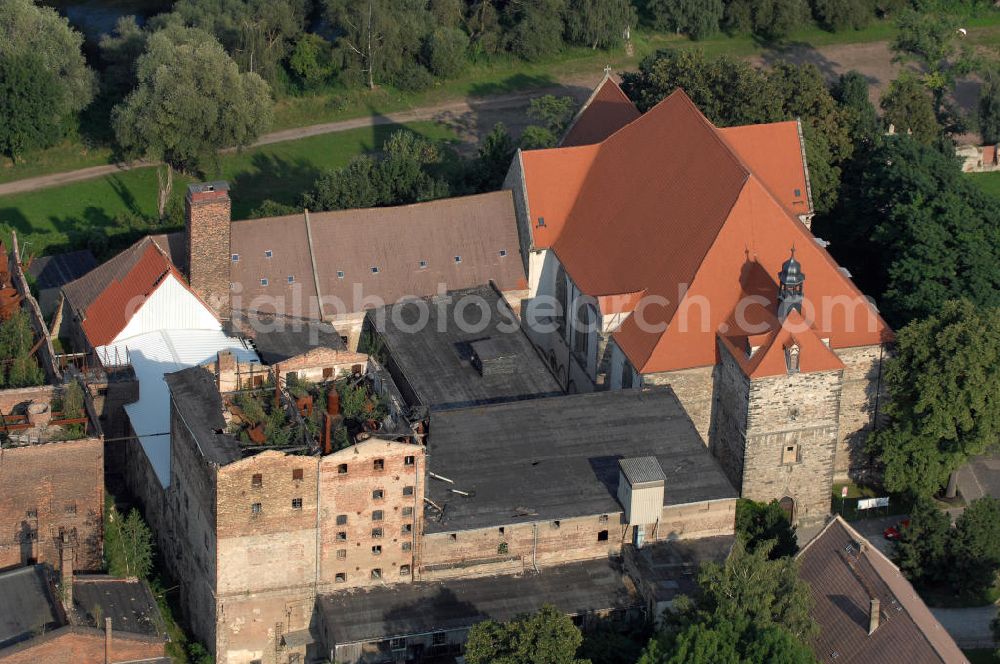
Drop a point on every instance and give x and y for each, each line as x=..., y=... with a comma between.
x=472, y=118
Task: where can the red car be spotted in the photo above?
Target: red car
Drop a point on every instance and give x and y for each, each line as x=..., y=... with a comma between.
x=895, y=532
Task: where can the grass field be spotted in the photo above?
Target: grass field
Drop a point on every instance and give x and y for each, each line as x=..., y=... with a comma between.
x=495, y=76
x=281, y=172
x=990, y=182
x=982, y=656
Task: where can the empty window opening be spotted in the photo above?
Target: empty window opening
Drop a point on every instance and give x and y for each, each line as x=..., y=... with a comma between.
x=296, y=503
x=69, y=508
x=603, y=518
x=503, y=253
x=406, y=529
x=327, y=372
x=377, y=573
x=502, y=530
x=556, y=524
x=404, y=570
x=257, y=481
x=408, y=461
x=378, y=494
x=341, y=535
x=602, y=536
x=377, y=515
x=341, y=519
x=377, y=550
x=454, y=536
x=296, y=473
x=407, y=490
x=407, y=546
x=268, y=253
x=255, y=509
x=378, y=464
x=342, y=469
x=376, y=533
x=341, y=577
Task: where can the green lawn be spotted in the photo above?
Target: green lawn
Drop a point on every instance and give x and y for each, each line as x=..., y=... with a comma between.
x=982, y=656
x=496, y=76
x=282, y=171
x=990, y=182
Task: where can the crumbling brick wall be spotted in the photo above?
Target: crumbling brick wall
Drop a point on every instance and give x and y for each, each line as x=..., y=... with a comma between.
x=49, y=487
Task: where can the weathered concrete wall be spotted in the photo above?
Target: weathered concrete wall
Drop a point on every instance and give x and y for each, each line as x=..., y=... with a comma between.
x=798, y=411
x=48, y=487
x=860, y=398
x=694, y=389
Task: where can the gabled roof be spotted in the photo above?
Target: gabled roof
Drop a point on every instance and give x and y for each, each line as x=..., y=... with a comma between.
x=774, y=153
x=58, y=270
x=109, y=295
x=382, y=254
x=845, y=573
x=606, y=111
x=770, y=357
x=668, y=206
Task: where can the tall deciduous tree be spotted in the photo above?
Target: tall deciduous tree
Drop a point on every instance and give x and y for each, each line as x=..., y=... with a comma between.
x=989, y=108
x=910, y=109
x=548, y=636
x=120, y=53
x=128, y=544
x=765, y=524
x=696, y=18
x=772, y=20
x=191, y=101
x=749, y=609
x=844, y=14
x=944, y=384
x=974, y=551
x=931, y=40
x=29, y=103
x=535, y=27
x=599, y=23
x=922, y=547
x=851, y=91
x=28, y=29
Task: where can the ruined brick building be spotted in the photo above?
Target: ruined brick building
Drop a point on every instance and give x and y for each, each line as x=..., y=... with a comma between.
x=679, y=254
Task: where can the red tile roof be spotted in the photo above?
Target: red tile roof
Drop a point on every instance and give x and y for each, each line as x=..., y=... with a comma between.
x=607, y=111
x=770, y=357
x=668, y=206
x=845, y=573
x=774, y=154
x=108, y=296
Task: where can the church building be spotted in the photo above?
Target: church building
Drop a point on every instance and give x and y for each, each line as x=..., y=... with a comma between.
x=662, y=250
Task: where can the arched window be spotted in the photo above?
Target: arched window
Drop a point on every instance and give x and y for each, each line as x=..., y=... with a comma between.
x=561, y=300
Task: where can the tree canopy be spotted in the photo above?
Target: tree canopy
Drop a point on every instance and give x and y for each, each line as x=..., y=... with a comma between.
x=20, y=368
x=989, y=108
x=910, y=109
x=766, y=524
x=191, y=101
x=28, y=105
x=944, y=387
x=545, y=637
x=750, y=609
x=27, y=29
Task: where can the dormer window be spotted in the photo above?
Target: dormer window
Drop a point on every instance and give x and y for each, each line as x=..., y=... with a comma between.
x=236, y=258
x=503, y=253
x=291, y=279
x=792, y=358
x=268, y=253
x=798, y=193
x=263, y=281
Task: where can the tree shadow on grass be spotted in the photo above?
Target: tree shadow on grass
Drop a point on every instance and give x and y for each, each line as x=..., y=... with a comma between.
x=271, y=177
x=514, y=83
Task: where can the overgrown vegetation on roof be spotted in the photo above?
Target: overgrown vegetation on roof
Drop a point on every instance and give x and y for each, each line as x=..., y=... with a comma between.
x=19, y=367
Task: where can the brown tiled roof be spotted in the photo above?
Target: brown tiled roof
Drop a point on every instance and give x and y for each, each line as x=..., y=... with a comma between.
x=845, y=572
x=668, y=207
x=475, y=229
x=607, y=111
x=107, y=296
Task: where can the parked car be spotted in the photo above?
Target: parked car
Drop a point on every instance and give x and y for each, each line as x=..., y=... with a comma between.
x=895, y=532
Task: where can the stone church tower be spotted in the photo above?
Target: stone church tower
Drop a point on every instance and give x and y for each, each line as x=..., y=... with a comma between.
x=207, y=219
x=776, y=430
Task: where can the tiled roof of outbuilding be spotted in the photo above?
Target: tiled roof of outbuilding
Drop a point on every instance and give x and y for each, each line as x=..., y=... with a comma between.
x=844, y=572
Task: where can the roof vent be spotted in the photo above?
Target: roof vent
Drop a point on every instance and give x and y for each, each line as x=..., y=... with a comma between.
x=490, y=359
x=541, y=222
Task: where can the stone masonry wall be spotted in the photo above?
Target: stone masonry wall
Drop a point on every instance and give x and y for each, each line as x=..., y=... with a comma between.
x=863, y=394
x=515, y=548
x=208, y=216
x=729, y=417
x=48, y=487
x=799, y=411
x=694, y=389
x=515, y=182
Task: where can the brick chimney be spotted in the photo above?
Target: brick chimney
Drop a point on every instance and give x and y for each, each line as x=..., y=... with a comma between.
x=207, y=217
x=873, y=616
x=66, y=570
